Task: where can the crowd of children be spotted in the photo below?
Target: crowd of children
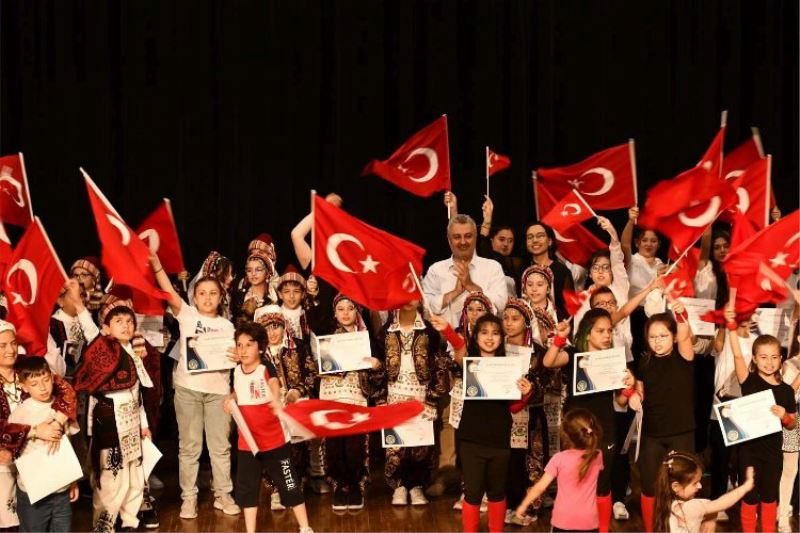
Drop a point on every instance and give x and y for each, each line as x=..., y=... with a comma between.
x=100, y=389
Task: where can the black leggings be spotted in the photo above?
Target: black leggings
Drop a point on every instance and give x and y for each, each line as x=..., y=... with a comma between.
x=652, y=452
x=768, y=469
x=722, y=457
x=620, y=465
x=278, y=464
x=484, y=470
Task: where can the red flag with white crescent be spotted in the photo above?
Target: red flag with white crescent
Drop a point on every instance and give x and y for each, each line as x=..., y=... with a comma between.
x=33, y=281
x=607, y=179
x=158, y=231
x=6, y=251
x=496, y=162
x=735, y=163
x=712, y=159
x=570, y=210
x=577, y=243
x=125, y=257
x=15, y=199
x=752, y=188
x=421, y=165
x=325, y=418
x=367, y=264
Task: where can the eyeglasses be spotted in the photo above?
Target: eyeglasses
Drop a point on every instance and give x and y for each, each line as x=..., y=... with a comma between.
x=659, y=337
x=83, y=275
x=601, y=268
x=257, y=270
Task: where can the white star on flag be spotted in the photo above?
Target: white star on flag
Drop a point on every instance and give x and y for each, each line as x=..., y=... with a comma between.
x=779, y=259
x=359, y=417
x=369, y=264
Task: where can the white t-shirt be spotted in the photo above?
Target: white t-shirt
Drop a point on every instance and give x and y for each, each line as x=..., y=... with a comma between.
x=191, y=323
x=640, y=273
x=687, y=516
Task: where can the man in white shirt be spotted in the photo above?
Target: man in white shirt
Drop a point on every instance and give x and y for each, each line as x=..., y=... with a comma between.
x=446, y=285
x=447, y=282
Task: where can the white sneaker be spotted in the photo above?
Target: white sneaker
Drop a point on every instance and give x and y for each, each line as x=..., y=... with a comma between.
x=459, y=503
x=226, y=504
x=189, y=508
x=620, y=511
x=418, y=497
x=400, y=496
x=155, y=483
x=275, y=502
x=722, y=516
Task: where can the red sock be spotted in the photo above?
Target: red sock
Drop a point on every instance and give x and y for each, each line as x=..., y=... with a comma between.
x=497, y=516
x=748, y=514
x=647, y=512
x=604, y=512
x=470, y=517
x=769, y=514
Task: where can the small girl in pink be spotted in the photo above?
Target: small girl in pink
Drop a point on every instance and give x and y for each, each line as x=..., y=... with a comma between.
x=577, y=469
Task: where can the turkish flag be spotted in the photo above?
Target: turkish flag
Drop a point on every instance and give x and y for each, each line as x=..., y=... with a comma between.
x=368, y=265
x=741, y=157
x=158, y=231
x=125, y=257
x=777, y=246
x=752, y=190
x=683, y=207
x=496, y=162
x=680, y=282
x=574, y=300
x=712, y=159
x=33, y=281
x=422, y=165
x=606, y=179
x=744, y=310
x=6, y=252
x=577, y=243
x=325, y=418
x=570, y=210
x=15, y=200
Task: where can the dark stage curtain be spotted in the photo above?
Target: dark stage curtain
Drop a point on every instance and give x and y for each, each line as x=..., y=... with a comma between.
x=236, y=109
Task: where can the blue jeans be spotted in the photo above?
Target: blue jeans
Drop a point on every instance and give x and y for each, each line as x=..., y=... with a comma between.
x=51, y=513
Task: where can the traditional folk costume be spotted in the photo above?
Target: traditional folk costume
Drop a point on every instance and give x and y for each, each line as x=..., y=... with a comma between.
x=264, y=247
x=415, y=370
x=346, y=459
x=113, y=374
x=12, y=436
x=211, y=268
x=245, y=299
x=92, y=298
x=296, y=370
x=296, y=319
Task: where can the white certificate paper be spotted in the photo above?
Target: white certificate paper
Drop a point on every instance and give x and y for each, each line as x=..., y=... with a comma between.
x=491, y=378
x=416, y=432
x=342, y=352
x=150, y=456
x=747, y=418
x=598, y=371
x=43, y=474
x=151, y=326
x=697, y=307
x=208, y=352
x=522, y=354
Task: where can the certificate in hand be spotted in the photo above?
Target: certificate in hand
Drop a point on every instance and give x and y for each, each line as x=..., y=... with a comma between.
x=208, y=352
x=491, y=378
x=598, y=371
x=416, y=432
x=43, y=474
x=522, y=354
x=151, y=326
x=342, y=352
x=697, y=307
x=747, y=418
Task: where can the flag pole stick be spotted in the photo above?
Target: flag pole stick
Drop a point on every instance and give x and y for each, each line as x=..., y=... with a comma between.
x=419, y=288
x=757, y=140
x=582, y=199
x=632, y=151
x=487, y=172
x=723, y=119
x=313, y=194
x=535, y=194
x=673, y=265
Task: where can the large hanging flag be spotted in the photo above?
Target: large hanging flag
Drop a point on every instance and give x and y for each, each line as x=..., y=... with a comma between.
x=125, y=257
x=606, y=179
x=15, y=199
x=421, y=165
x=577, y=243
x=683, y=207
x=368, y=265
x=33, y=281
x=158, y=231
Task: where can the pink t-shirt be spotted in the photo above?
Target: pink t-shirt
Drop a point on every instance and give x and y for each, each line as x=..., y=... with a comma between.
x=576, y=501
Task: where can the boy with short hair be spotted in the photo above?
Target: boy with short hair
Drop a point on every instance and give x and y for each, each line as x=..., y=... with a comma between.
x=113, y=374
x=53, y=512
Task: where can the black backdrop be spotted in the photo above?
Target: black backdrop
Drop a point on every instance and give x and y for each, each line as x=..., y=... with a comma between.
x=235, y=109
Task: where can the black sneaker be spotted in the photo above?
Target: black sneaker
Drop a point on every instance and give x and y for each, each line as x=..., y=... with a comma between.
x=148, y=518
x=340, y=500
x=355, y=500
